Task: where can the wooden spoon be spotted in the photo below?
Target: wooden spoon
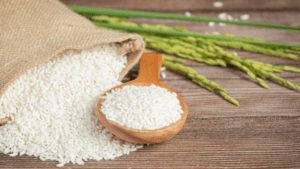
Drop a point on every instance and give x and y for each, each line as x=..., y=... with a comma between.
x=149, y=74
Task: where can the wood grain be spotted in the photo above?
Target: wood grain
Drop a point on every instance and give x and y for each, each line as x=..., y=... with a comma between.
x=263, y=132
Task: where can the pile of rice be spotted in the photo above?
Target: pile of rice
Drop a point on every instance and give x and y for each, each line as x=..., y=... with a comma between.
x=53, y=109
x=142, y=107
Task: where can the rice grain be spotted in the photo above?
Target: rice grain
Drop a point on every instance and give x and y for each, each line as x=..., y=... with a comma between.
x=53, y=108
x=142, y=107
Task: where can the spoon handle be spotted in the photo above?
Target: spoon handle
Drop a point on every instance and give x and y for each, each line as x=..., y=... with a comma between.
x=150, y=68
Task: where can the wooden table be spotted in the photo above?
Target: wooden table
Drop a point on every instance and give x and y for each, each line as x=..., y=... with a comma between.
x=263, y=132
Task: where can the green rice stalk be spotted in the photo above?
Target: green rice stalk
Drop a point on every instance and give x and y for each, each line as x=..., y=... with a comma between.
x=199, y=79
x=143, y=14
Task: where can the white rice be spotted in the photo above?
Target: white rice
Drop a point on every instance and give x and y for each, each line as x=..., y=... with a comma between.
x=229, y=17
x=244, y=17
x=187, y=14
x=142, y=107
x=218, y=4
x=222, y=16
x=222, y=24
x=225, y=16
x=162, y=73
x=53, y=109
x=211, y=24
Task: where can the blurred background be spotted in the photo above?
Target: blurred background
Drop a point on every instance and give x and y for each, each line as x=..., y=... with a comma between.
x=280, y=12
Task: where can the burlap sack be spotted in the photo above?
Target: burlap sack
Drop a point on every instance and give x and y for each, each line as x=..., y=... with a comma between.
x=34, y=31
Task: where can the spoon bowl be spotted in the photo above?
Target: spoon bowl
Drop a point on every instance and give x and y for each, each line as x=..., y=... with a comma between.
x=149, y=74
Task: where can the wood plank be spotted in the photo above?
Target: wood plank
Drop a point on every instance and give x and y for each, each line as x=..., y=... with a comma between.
x=248, y=142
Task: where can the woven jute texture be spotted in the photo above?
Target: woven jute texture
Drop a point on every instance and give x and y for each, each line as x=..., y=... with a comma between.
x=34, y=31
